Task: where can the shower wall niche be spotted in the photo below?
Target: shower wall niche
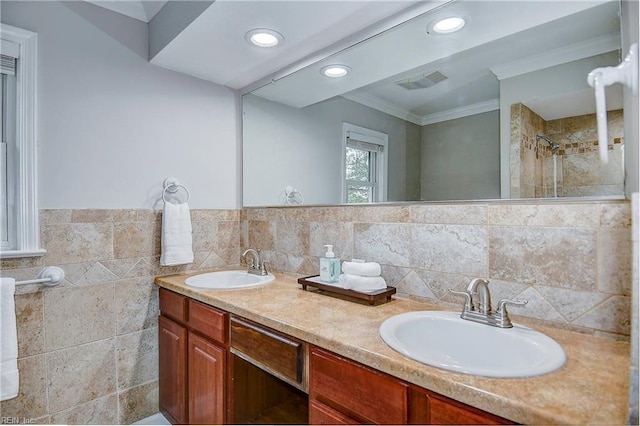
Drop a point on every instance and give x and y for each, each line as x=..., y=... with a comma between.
x=578, y=170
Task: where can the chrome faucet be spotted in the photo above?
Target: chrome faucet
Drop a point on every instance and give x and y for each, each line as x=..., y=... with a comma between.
x=257, y=266
x=477, y=306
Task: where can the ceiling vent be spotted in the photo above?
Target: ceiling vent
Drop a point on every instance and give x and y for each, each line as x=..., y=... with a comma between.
x=422, y=82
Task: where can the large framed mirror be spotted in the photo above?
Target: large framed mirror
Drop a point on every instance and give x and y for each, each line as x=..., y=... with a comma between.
x=499, y=109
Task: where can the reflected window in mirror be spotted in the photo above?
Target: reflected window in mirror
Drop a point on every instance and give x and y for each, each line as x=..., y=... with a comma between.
x=365, y=165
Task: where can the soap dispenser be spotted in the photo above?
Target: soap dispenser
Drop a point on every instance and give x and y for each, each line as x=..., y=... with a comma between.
x=329, y=266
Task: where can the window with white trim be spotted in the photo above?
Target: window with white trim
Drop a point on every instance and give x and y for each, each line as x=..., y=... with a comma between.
x=8, y=147
x=19, y=228
x=364, y=165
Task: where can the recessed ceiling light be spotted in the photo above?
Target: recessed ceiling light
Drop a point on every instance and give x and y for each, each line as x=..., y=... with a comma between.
x=264, y=37
x=335, y=71
x=447, y=25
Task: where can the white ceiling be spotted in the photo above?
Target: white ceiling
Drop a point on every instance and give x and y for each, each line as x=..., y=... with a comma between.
x=529, y=38
x=502, y=37
x=213, y=46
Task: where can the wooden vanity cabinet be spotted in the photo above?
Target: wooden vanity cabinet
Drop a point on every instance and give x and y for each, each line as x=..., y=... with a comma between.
x=260, y=377
x=342, y=391
x=193, y=342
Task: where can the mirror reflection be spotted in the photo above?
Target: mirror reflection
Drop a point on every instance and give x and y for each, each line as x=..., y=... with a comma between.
x=498, y=109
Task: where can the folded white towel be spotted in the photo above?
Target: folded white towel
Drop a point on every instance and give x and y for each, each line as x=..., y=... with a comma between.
x=362, y=284
x=9, y=376
x=364, y=269
x=177, y=246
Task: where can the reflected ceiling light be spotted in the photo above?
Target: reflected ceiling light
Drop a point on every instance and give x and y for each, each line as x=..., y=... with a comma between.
x=335, y=71
x=447, y=25
x=264, y=37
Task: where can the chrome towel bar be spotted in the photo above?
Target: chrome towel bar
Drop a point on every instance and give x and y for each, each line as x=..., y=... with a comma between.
x=50, y=276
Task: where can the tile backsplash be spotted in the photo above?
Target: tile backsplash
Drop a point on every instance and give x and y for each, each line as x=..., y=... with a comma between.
x=88, y=348
x=571, y=261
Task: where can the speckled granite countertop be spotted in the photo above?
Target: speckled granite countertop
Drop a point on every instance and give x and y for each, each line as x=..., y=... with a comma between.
x=591, y=388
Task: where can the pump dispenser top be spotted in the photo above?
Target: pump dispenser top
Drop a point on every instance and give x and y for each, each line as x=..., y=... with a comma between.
x=329, y=252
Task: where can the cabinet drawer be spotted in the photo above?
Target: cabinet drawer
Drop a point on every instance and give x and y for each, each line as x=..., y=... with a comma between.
x=208, y=321
x=275, y=352
x=449, y=412
x=320, y=414
x=173, y=305
x=357, y=390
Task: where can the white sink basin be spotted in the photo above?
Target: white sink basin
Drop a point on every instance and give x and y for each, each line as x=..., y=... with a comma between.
x=228, y=280
x=444, y=340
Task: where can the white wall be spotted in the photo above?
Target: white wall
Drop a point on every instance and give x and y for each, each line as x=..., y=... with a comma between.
x=303, y=147
x=111, y=126
x=460, y=158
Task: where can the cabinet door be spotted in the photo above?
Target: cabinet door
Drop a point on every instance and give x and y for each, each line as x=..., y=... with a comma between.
x=206, y=381
x=356, y=390
x=320, y=414
x=172, y=348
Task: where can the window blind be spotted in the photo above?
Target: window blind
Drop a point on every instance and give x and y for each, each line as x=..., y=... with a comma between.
x=7, y=65
x=9, y=53
x=363, y=145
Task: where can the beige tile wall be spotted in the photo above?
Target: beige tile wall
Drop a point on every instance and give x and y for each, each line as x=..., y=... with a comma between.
x=526, y=168
x=579, y=172
x=571, y=261
x=88, y=348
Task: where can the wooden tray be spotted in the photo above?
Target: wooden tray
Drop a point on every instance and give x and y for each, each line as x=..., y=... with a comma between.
x=383, y=295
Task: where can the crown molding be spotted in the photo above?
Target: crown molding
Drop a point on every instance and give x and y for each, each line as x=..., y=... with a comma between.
x=563, y=55
x=381, y=105
x=464, y=111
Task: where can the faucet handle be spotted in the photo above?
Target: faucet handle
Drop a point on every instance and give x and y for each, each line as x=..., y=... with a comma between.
x=502, y=305
x=263, y=267
x=502, y=316
x=468, y=305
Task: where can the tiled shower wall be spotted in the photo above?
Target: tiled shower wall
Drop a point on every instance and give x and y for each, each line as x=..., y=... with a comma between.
x=572, y=262
x=579, y=170
x=88, y=347
x=525, y=165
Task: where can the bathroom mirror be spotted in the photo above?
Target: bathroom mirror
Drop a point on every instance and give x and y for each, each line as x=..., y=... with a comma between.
x=498, y=109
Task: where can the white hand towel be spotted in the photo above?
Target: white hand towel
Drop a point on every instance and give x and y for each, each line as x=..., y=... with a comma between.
x=364, y=269
x=362, y=284
x=9, y=376
x=177, y=246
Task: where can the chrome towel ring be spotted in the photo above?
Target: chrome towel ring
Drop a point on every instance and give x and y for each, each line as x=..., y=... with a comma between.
x=172, y=185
